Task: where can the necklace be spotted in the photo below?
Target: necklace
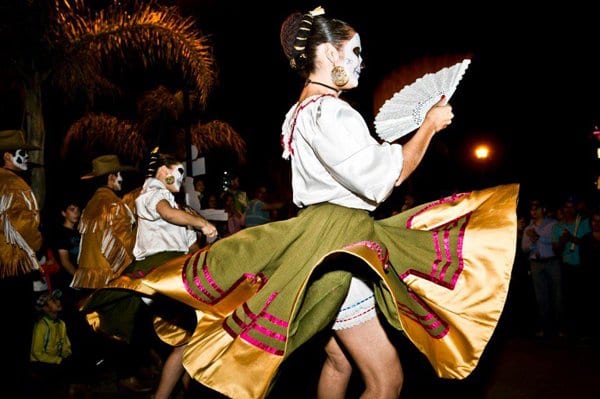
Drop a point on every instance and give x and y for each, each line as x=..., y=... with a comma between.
x=308, y=81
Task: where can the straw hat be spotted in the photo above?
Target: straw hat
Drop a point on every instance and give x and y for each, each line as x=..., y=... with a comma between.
x=106, y=164
x=12, y=140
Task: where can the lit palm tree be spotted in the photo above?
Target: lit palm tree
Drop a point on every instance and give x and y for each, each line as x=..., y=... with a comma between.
x=140, y=32
x=81, y=50
x=96, y=134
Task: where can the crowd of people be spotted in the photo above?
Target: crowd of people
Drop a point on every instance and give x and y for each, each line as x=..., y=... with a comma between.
x=171, y=297
x=558, y=250
x=73, y=323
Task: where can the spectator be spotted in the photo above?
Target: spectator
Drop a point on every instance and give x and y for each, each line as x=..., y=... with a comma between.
x=235, y=220
x=259, y=210
x=51, y=355
x=66, y=246
x=240, y=198
x=546, y=274
x=565, y=241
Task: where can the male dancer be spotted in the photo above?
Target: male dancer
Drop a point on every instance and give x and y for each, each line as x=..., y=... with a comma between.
x=20, y=237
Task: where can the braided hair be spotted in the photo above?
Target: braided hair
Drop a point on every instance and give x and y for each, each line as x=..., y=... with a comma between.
x=301, y=34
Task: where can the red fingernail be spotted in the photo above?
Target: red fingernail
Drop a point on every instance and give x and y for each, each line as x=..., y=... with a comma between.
x=443, y=96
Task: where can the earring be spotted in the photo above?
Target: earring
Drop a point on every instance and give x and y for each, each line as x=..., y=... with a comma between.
x=339, y=76
x=170, y=179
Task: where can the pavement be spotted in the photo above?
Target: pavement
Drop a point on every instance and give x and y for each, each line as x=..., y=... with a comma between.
x=515, y=367
x=527, y=368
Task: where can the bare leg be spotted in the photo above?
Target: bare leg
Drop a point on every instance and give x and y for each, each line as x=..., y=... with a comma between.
x=335, y=373
x=185, y=381
x=171, y=373
x=376, y=358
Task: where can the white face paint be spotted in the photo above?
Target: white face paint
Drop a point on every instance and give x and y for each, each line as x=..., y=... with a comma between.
x=178, y=173
x=20, y=159
x=118, y=182
x=353, y=60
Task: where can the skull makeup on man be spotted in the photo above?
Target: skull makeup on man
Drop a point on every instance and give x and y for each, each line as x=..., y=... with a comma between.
x=15, y=150
x=20, y=159
x=20, y=238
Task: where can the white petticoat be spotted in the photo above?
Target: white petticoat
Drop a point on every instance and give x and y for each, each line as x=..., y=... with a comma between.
x=358, y=307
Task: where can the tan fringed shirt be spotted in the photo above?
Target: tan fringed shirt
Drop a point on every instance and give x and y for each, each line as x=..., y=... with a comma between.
x=107, y=239
x=20, y=236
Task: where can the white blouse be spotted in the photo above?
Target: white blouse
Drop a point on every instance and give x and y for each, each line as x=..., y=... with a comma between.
x=154, y=234
x=334, y=157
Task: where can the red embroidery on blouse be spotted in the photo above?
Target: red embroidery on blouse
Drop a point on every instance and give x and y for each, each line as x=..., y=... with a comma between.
x=296, y=112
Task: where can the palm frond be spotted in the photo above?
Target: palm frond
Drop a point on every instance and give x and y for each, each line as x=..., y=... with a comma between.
x=159, y=101
x=158, y=108
x=97, y=134
x=155, y=34
x=218, y=135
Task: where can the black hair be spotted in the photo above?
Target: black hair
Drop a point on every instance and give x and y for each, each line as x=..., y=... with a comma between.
x=301, y=34
x=156, y=160
x=66, y=202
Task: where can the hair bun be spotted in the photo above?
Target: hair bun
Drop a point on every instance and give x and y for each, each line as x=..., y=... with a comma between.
x=153, y=162
x=294, y=34
x=288, y=33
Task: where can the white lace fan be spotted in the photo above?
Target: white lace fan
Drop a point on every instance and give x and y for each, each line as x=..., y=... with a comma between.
x=405, y=111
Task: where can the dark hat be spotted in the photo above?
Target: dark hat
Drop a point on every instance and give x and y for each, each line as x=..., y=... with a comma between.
x=45, y=297
x=12, y=140
x=106, y=164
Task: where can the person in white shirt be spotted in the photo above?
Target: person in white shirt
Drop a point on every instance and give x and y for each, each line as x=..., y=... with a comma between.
x=164, y=232
x=439, y=272
x=165, y=229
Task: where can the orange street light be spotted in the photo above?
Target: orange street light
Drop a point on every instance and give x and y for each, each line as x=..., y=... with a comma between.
x=482, y=152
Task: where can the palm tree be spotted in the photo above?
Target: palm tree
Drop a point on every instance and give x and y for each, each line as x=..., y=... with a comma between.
x=26, y=52
x=83, y=52
x=99, y=133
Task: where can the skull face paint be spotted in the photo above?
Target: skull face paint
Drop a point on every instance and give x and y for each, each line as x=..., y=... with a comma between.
x=118, y=182
x=178, y=173
x=353, y=62
x=20, y=159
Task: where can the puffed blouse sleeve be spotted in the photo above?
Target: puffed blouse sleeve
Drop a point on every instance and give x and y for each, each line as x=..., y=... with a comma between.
x=352, y=156
x=147, y=209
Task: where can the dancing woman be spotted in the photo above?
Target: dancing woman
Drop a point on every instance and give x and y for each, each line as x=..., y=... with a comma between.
x=164, y=233
x=439, y=272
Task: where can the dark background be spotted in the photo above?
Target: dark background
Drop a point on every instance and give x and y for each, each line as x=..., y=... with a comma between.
x=531, y=91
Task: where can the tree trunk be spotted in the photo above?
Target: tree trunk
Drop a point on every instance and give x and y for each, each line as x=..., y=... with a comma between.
x=36, y=133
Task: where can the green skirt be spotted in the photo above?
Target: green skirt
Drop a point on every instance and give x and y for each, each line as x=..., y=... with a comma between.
x=440, y=273
x=114, y=310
